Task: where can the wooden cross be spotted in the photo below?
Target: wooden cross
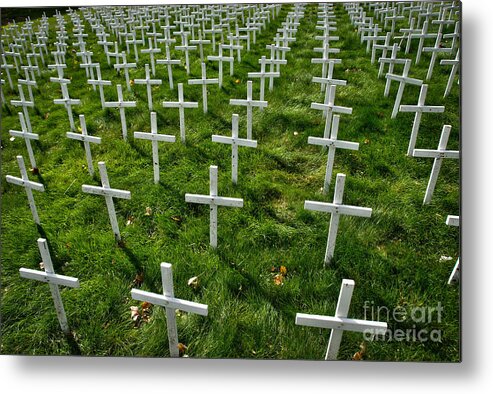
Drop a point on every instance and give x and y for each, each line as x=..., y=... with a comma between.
x=151, y=51
x=332, y=143
x=328, y=80
x=232, y=47
x=29, y=83
x=235, y=142
x=67, y=102
x=220, y=58
x=121, y=105
x=148, y=82
x=403, y=80
x=262, y=75
x=384, y=48
x=171, y=304
x=54, y=280
x=204, y=82
x=330, y=108
x=455, y=67
x=115, y=54
x=99, y=82
x=340, y=322
x=125, y=66
x=391, y=62
x=87, y=64
x=408, y=34
x=249, y=103
x=28, y=185
x=108, y=194
x=273, y=62
x=200, y=42
x=134, y=41
x=186, y=48
x=439, y=154
x=419, y=109
x=59, y=66
x=434, y=51
x=213, y=200
x=27, y=136
x=6, y=67
x=372, y=40
x=181, y=104
x=424, y=35
x=169, y=62
x=336, y=208
x=25, y=105
x=154, y=137
x=454, y=275
x=86, y=139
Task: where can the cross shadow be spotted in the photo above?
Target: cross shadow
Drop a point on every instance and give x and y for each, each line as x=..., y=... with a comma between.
x=73, y=345
x=131, y=256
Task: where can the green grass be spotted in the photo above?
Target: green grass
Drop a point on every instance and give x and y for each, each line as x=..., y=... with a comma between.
x=393, y=256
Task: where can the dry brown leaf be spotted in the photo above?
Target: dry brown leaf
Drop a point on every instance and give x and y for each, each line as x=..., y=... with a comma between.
x=139, y=278
x=42, y=265
x=283, y=270
x=182, y=348
x=193, y=282
x=148, y=211
x=358, y=356
x=278, y=280
x=130, y=220
x=134, y=313
x=176, y=218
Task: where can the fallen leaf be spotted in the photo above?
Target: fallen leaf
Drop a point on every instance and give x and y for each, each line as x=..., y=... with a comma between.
x=12, y=138
x=134, y=313
x=360, y=354
x=181, y=348
x=367, y=141
x=237, y=81
x=295, y=133
x=176, y=218
x=283, y=270
x=278, y=279
x=132, y=82
x=139, y=278
x=148, y=211
x=445, y=258
x=130, y=220
x=42, y=265
x=193, y=282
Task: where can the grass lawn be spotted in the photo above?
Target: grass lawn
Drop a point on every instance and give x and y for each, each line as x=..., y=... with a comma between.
x=393, y=257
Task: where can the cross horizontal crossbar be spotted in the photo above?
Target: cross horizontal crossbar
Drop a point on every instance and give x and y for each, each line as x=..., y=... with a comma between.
x=170, y=302
x=214, y=200
x=24, y=183
x=445, y=154
x=341, y=323
x=105, y=191
x=49, y=278
x=334, y=143
x=338, y=208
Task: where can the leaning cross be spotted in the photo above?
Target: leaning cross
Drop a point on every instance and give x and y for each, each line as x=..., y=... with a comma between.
x=171, y=304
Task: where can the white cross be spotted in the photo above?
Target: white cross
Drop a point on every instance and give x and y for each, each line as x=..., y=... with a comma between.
x=181, y=104
x=115, y=54
x=154, y=137
x=384, y=48
x=336, y=208
x=134, y=41
x=249, y=103
x=67, y=102
x=86, y=139
x=439, y=154
x=332, y=143
x=27, y=136
x=200, y=42
x=407, y=34
x=403, y=80
x=262, y=75
x=454, y=275
x=87, y=64
x=424, y=35
x=148, y=82
x=169, y=62
x=171, y=304
x=121, y=105
x=28, y=186
x=151, y=51
x=5, y=66
x=235, y=142
x=273, y=62
x=220, y=58
x=24, y=104
x=108, y=194
x=213, y=200
x=29, y=83
x=434, y=51
x=340, y=322
x=325, y=59
x=99, y=82
x=232, y=47
x=204, y=82
x=54, y=280
x=186, y=48
x=125, y=66
x=59, y=66
x=372, y=40
x=393, y=60
x=419, y=109
x=330, y=108
x=455, y=67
